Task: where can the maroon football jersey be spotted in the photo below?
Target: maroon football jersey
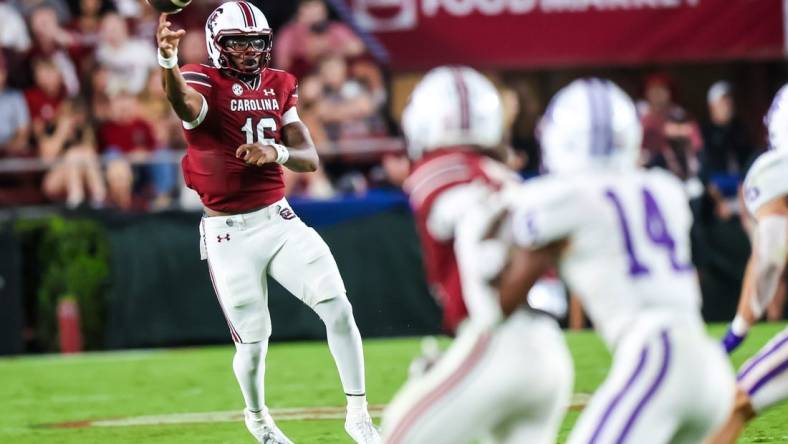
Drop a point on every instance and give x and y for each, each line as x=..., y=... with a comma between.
x=239, y=112
x=437, y=172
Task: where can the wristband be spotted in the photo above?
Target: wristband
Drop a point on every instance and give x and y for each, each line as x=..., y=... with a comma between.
x=168, y=63
x=282, y=154
x=739, y=326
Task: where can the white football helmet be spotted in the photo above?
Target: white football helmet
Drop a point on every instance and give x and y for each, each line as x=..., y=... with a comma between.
x=777, y=120
x=590, y=123
x=242, y=20
x=452, y=106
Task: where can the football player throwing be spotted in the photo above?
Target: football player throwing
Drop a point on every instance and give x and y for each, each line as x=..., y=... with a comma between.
x=241, y=124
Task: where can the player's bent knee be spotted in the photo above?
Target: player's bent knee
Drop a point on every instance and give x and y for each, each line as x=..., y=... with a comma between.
x=248, y=354
x=337, y=314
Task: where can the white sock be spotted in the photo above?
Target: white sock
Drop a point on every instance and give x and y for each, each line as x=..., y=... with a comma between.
x=356, y=402
x=344, y=341
x=249, y=368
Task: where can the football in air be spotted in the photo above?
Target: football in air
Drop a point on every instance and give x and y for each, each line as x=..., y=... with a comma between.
x=169, y=6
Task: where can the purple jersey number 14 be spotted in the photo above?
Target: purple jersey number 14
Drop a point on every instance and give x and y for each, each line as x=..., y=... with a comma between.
x=656, y=229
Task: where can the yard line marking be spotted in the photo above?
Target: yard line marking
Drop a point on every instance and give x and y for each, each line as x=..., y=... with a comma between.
x=49, y=359
x=578, y=401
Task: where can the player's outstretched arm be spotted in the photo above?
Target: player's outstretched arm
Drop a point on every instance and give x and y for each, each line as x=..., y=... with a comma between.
x=185, y=100
x=525, y=267
x=764, y=270
x=298, y=152
x=745, y=318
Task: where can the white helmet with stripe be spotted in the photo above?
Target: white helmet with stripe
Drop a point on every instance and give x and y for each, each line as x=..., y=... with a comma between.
x=590, y=123
x=453, y=106
x=241, y=20
x=777, y=120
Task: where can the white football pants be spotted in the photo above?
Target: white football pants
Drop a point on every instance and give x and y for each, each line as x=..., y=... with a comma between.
x=669, y=383
x=511, y=384
x=765, y=376
x=243, y=250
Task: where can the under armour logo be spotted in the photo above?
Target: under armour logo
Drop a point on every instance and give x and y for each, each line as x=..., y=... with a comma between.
x=287, y=214
x=269, y=92
x=221, y=238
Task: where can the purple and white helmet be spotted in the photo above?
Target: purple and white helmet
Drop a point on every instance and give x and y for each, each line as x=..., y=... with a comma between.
x=237, y=19
x=776, y=120
x=590, y=123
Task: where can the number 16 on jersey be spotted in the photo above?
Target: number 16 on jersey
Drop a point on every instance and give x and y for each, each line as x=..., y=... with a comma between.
x=265, y=124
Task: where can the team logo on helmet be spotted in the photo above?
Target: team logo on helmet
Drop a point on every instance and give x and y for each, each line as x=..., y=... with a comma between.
x=212, y=21
x=237, y=89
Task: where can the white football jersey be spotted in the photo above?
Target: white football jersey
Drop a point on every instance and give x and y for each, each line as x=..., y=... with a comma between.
x=629, y=241
x=766, y=180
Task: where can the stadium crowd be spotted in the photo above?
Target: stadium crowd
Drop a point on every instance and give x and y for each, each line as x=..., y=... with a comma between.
x=85, y=122
x=81, y=105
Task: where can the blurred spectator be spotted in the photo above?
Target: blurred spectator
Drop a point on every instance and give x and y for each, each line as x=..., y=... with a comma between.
x=310, y=92
x=26, y=7
x=45, y=97
x=87, y=24
x=13, y=31
x=347, y=109
x=396, y=168
x=129, y=8
x=671, y=139
x=343, y=110
x=303, y=42
x=125, y=139
x=527, y=154
x=166, y=126
x=156, y=109
x=72, y=142
x=726, y=150
x=145, y=23
x=128, y=60
x=122, y=139
x=317, y=184
x=368, y=74
x=153, y=101
x=516, y=159
x=99, y=99
x=52, y=41
x=727, y=147
x=192, y=47
x=14, y=117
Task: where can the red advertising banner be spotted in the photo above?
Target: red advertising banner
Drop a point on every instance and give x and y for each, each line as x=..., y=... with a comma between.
x=550, y=33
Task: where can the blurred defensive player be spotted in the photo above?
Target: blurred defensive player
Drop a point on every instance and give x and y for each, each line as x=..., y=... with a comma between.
x=620, y=236
x=508, y=382
x=763, y=380
x=241, y=124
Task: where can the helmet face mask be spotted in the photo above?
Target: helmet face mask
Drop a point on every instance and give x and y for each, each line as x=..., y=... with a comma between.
x=236, y=48
x=239, y=38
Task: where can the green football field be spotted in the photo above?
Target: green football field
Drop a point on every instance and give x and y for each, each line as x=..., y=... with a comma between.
x=141, y=396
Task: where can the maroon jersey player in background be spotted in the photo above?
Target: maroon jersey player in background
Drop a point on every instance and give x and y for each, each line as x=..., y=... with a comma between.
x=242, y=127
